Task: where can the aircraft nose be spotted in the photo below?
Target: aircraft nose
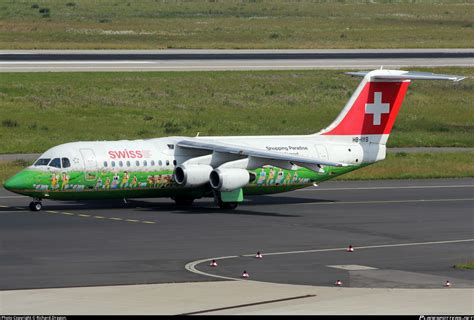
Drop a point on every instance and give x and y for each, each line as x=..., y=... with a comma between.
x=17, y=182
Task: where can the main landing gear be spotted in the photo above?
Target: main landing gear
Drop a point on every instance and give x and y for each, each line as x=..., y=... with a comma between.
x=183, y=201
x=36, y=205
x=227, y=205
x=222, y=204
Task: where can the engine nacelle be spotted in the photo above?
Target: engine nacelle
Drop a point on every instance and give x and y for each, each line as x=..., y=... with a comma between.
x=229, y=179
x=192, y=175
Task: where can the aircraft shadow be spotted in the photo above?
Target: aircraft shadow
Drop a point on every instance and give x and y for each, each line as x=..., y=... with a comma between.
x=197, y=208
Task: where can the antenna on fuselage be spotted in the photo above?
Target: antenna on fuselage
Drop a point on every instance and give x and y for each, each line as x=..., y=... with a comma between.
x=197, y=135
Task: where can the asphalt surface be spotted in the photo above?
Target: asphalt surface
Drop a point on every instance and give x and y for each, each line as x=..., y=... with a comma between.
x=151, y=241
x=188, y=60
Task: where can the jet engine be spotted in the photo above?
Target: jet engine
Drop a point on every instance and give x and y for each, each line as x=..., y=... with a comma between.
x=192, y=175
x=229, y=179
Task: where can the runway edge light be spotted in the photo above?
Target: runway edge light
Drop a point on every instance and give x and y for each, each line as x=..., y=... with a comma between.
x=338, y=283
x=245, y=275
x=350, y=249
x=213, y=263
x=258, y=255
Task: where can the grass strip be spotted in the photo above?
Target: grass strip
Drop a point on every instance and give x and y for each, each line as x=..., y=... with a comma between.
x=41, y=110
x=465, y=265
x=235, y=24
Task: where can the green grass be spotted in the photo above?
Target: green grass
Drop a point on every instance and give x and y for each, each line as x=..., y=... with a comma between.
x=396, y=166
x=466, y=265
x=127, y=24
x=417, y=166
x=41, y=110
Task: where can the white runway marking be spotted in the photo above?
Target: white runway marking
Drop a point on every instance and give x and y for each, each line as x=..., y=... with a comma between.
x=150, y=67
x=73, y=62
x=352, y=267
x=191, y=266
x=380, y=201
x=387, y=188
x=12, y=197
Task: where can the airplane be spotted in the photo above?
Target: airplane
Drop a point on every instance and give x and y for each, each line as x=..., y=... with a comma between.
x=226, y=168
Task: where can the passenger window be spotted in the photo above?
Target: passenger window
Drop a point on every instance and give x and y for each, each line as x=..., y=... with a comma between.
x=167, y=162
x=160, y=163
x=113, y=164
x=65, y=162
x=174, y=162
x=56, y=163
x=120, y=164
x=105, y=164
x=144, y=163
x=152, y=163
x=128, y=163
x=137, y=163
x=42, y=162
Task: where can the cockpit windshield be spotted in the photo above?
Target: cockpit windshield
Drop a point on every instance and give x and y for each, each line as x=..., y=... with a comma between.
x=55, y=163
x=42, y=162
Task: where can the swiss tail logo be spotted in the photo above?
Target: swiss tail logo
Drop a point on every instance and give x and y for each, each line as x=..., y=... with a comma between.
x=372, y=109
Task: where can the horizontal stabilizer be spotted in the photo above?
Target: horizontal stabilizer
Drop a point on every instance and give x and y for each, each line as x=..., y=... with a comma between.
x=405, y=75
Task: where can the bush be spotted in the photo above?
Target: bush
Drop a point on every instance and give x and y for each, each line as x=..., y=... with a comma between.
x=44, y=10
x=70, y=4
x=34, y=6
x=8, y=123
x=171, y=127
x=274, y=35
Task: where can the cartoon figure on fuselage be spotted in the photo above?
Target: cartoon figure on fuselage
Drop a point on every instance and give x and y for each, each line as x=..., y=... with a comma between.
x=262, y=176
x=134, y=182
x=64, y=181
x=125, y=178
x=288, y=178
x=226, y=167
x=271, y=175
x=295, y=177
x=98, y=184
x=115, y=181
x=150, y=181
x=156, y=179
x=107, y=184
x=166, y=180
x=280, y=177
x=54, y=181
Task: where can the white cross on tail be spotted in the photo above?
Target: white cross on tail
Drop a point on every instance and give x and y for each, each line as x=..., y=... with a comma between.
x=377, y=108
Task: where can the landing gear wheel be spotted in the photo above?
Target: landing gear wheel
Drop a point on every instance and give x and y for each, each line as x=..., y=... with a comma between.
x=183, y=201
x=222, y=204
x=36, y=206
x=228, y=205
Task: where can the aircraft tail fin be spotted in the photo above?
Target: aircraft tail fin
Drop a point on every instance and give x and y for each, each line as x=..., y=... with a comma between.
x=374, y=106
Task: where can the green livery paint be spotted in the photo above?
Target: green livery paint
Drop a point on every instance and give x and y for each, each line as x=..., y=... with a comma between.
x=233, y=196
x=78, y=185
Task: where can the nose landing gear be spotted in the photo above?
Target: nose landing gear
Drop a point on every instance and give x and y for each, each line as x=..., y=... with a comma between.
x=36, y=205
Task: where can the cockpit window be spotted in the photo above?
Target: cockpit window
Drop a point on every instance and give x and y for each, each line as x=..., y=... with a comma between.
x=55, y=163
x=65, y=162
x=42, y=162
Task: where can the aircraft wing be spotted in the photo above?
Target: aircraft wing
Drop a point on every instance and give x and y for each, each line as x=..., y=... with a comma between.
x=217, y=146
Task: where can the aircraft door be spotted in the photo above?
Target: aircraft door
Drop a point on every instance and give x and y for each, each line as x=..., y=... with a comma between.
x=322, y=152
x=90, y=164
